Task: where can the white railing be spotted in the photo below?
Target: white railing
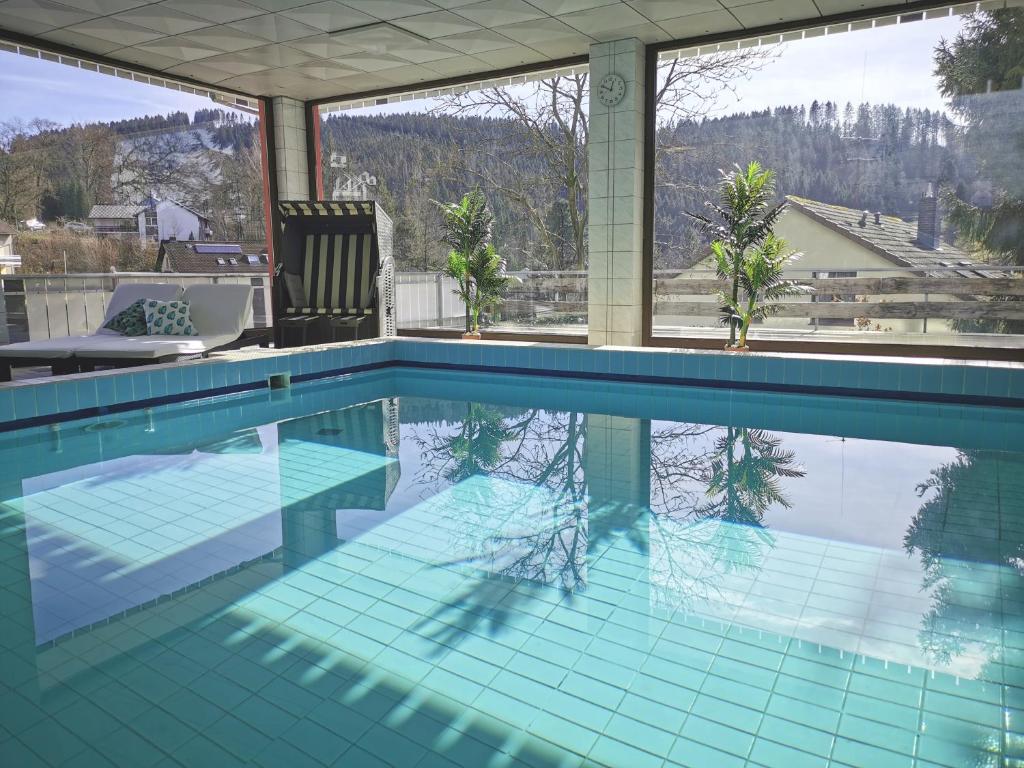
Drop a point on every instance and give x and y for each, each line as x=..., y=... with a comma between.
x=35, y=307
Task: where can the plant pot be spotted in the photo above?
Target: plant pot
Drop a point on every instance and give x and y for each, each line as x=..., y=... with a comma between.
x=737, y=349
x=472, y=336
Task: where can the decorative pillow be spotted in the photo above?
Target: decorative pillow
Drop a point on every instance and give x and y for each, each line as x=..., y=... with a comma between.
x=168, y=318
x=130, y=321
x=296, y=291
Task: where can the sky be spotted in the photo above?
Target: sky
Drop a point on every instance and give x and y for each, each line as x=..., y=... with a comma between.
x=891, y=64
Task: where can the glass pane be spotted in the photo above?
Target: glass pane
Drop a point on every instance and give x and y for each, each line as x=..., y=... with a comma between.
x=524, y=147
x=896, y=153
x=100, y=172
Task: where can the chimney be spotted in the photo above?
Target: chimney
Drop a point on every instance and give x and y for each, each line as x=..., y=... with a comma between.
x=878, y=217
x=863, y=219
x=929, y=226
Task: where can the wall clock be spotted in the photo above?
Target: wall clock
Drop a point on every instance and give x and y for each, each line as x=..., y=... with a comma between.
x=611, y=90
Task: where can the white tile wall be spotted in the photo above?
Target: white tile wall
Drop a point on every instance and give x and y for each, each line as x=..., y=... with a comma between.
x=616, y=197
x=290, y=143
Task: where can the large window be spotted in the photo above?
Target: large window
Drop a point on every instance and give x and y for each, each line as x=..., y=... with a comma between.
x=103, y=167
x=897, y=148
x=522, y=141
x=100, y=169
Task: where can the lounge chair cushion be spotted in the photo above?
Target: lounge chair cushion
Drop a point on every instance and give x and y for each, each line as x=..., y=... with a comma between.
x=149, y=347
x=168, y=318
x=126, y=294
x=50, y=349
x=219, y=310
x=130, y=321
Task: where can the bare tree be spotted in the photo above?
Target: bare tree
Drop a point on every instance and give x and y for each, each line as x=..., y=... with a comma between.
x=551, y=124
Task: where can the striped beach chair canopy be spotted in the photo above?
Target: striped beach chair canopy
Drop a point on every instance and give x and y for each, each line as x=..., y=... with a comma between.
x=333, y=249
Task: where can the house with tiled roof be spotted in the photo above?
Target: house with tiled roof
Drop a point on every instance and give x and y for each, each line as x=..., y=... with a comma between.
x=835, y=241
x=208, y=256
x=151, y=221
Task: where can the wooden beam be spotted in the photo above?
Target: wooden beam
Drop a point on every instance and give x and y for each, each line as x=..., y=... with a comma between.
x=850, y=310
x=881, y=286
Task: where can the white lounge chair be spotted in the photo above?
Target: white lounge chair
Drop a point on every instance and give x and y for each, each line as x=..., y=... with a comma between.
x=219, y=313
x=58, y=353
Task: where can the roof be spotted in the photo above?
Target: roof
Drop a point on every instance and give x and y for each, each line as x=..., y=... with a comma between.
x=182, y=205
x=318, y=50
x=893, y=239
x=182, y=256
x=115, y=211
x=7, y=229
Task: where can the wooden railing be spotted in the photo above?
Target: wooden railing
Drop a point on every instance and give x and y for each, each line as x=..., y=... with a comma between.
x=849, y=298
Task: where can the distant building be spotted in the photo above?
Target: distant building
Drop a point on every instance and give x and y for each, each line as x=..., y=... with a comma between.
x=835, y=241
x=203, y=256
x=152, y=221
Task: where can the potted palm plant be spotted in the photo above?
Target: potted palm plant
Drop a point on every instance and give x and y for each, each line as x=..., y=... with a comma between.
x=473, y=263
x=747, y=254
x=758, y=283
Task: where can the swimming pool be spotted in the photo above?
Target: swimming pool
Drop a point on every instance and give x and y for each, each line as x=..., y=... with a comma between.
x=428, y=568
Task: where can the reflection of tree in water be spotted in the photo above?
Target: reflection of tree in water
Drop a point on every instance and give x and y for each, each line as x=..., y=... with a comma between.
x=969, y=534
x=529, y=450
x=709, y=490
x=715, y=527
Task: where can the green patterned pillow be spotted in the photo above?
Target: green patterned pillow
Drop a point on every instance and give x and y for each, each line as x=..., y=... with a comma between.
x=130, y=321
x=168, y=318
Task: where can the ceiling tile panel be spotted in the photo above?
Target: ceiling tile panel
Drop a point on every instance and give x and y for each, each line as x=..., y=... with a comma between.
x=774, y=12
x=540, y=31
x=274, y=27
x=144, y=58
x=329, y=16
x=179, y=47
x=22, y=24
x=392, y=9
x=437, y=24
x=43, y=12
x=121, y=33
x=219, y=11
x=163, y=19
x=710, y=23
x=323, y=46
x=103, y=7
x=225, y=38
x=494, y=13
x=600, y=21
x=369, y=62
x=656, y=10
x=86, y=43
x=558, y=7
x=478, y=41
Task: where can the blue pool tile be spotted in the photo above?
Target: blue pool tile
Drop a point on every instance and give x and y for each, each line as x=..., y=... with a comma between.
x=921, y=378
x=67, y=396
x=46, y=398
x=6, y=404
x=86, y=393
x=953, y=380
x=24, y=401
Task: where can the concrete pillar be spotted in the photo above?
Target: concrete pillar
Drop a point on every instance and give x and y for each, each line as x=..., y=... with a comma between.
x=615, y=205
x=290, y=148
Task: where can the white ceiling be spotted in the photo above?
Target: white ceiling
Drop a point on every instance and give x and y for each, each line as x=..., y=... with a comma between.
x=311, y=50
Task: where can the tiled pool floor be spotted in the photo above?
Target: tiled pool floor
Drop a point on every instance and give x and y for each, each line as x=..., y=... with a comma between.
x=269, y=582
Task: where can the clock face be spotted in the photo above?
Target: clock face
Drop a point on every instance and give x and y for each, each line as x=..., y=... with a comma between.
x=611, y=90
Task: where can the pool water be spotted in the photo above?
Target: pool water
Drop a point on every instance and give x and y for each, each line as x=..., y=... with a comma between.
x=415, y=568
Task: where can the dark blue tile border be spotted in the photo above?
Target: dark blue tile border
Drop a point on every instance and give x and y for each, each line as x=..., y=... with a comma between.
x=750, y=386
